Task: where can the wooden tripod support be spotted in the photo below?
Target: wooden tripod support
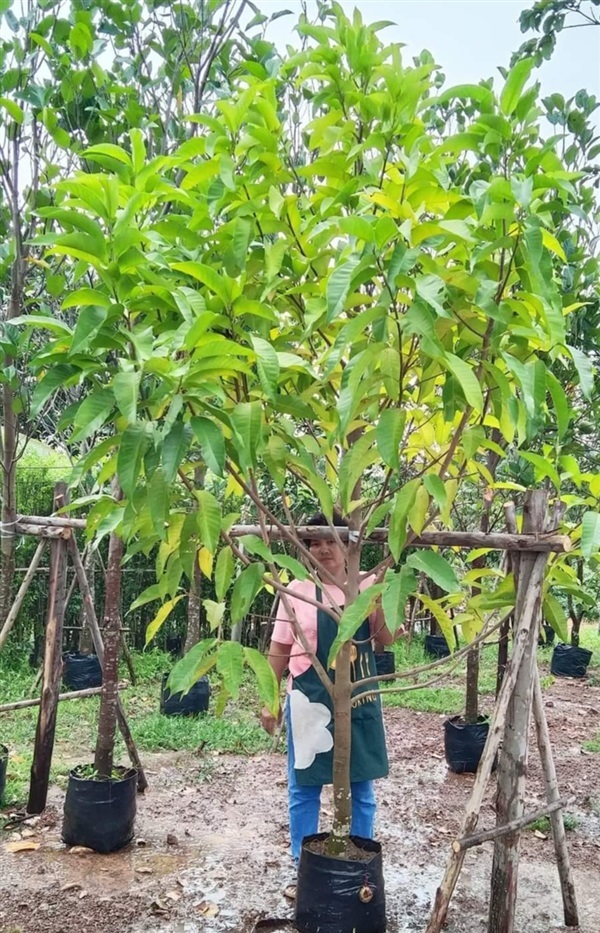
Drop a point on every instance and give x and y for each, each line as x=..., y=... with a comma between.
x=519, y=694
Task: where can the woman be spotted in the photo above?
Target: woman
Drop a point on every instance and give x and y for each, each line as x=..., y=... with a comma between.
x=309, y=718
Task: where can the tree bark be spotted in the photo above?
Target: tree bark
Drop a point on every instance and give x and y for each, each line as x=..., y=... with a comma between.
x=52, y=668
x=512, y=766
x=107, y=720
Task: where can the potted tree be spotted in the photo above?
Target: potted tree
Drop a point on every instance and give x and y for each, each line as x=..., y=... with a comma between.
x=317, y=314
x=100, y=803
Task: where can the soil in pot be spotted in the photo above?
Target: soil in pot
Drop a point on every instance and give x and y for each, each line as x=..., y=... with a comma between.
x=81, y=671
x=340, y=895
x=436, y=646
x=569, y=661
x=464, y=743
x=190, y=704
x=385, y=662
x=3, y=766
x=100, y=814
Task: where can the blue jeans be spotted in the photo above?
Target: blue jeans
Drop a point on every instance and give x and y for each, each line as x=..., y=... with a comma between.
x=305, y=803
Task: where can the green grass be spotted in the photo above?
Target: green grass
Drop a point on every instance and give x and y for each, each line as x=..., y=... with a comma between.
x=543, y=825
x=238, y=730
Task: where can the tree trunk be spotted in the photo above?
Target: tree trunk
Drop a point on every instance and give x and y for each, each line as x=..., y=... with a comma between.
x=512, y=767
x=107, y=720
x=473, y=657
x=51, y=673
x=192, y=636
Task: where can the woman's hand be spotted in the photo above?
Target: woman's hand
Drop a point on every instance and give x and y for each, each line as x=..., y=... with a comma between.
x=268, y=721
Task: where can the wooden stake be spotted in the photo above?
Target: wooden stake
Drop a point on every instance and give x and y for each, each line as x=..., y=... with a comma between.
x=73, y=695
x=512, y=765
x=473, y=806
x=558, y=827
x=16, y=606
x=486, y=835
x=52, y=669
x=88, y=599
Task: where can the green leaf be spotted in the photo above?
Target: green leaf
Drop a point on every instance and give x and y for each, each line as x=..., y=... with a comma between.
x=436, y=488
x=246, y=421
x=515, y=82
x=92, y=413
x=554, y=613
x=126, y=387
x=590, y=534
x=560, y=403
x=216, y=283
x=13, y=109
x=389, y=432
x=338, y=287
x=86, y=296
x=110, y=150
x=402, y=505
x=267, y=365
x=224, y=572
x=437, y=567
x=230, y=665
x=468, y=380
x=245, y=589
x=138, y=149
x=353, y=617
x=543, y=467
x=209, y=520
x=41, y=320
x=209, y=436
x=134, y=442
x=89, y=322
x=215, y=613
x=584, y=370
x=242, y=235
x=174, y=448
x=197, y=662
x=268, y=688
x=163, y=613
x=399, y=586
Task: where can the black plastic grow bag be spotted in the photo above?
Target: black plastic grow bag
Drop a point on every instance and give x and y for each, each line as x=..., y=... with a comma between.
x=3, y=766
x=100, y=814
x=464, y=743
x=81, y=671
x=385, y=662
x=436, y=646
x=569, y=661
x=194, y=702
x=340, y=895
x=547, y=636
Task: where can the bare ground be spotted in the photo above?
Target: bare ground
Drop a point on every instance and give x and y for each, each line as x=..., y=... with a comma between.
x=211, y=850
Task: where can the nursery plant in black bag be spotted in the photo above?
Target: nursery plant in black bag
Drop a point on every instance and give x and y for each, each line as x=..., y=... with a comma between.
x=338, y=895
x=188, y=704
x=464, y=743
x=81, y=671
x=436, y=646
x=99, y=814
x=569, y=661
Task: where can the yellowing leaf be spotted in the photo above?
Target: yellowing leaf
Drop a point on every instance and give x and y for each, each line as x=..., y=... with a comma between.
x=205, y=561
x=22, y=845
x=164, y=611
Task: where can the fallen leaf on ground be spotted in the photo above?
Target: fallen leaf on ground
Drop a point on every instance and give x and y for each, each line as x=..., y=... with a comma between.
x=23, y=845
x=80, y=850
x=207, y=909
x=70, y=886
x=144, y=870
x=158, y=907
x=173, y=895
x=83, y=894
x=539, y=835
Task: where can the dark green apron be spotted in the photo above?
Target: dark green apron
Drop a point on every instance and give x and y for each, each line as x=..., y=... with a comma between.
x=368, y=755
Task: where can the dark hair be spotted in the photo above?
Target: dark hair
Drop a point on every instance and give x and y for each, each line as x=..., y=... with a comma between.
x=319, y=519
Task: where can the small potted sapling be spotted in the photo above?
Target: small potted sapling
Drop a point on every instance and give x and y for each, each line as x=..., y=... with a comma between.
x=100, y=804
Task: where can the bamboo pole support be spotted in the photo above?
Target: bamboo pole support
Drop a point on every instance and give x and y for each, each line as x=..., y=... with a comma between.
x=16, y=606
x=72, y=695
x=54, y=521
x=52, y=668
x=487, y=835
x=42, y=531
x=496, y=731
x=561, y=849
x=99, y=646
x=512, y=764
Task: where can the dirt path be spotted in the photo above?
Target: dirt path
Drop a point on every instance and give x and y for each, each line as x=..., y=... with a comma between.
x=211, y=850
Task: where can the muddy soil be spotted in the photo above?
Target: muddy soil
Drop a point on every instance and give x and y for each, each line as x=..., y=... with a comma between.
x=211, y=851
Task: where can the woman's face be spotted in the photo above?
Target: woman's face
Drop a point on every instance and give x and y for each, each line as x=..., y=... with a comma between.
x=330, y=555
